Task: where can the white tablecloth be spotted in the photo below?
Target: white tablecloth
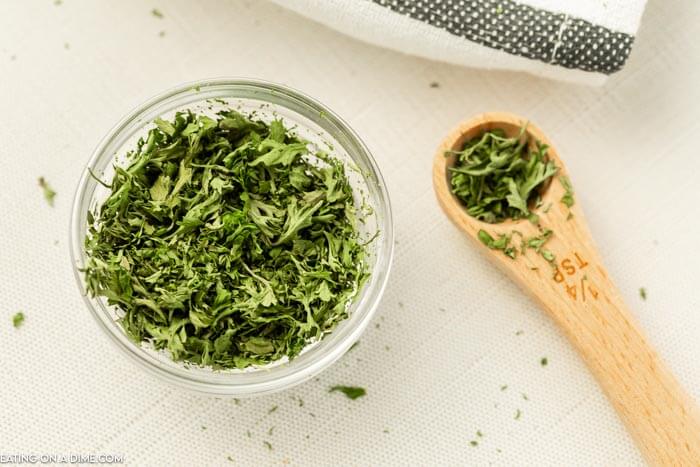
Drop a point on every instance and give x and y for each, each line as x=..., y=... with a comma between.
x=445, y=337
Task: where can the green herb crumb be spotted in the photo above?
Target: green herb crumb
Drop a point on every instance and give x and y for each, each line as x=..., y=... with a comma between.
x=273, y=409
x=548, y=255
x=568, y=198
x=49, y=193
x=518, y=413
x=18, y=319
x=434, y=84
x=544, y=361
x=157, y=13
x=352, y=392
x=473, y=443
x=268, y=445
x=643, y=293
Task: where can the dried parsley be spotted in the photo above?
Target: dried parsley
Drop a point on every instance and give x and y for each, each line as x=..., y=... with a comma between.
x=49, y=193
x=503, y=243
x=498, y=178
x=352, y=392
x=226, y=241
x=18, y=319
x=643, y=293
x=544, y=361
x=157, y=13
x=568, y=198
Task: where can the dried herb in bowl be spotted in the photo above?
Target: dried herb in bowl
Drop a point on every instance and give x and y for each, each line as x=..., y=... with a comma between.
x=498, y=177
x=226, y=241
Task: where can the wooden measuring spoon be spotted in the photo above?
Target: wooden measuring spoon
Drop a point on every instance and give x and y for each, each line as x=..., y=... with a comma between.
x=578, y=294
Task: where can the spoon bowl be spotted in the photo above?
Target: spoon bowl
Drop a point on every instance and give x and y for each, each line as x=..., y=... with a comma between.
x=578, y=294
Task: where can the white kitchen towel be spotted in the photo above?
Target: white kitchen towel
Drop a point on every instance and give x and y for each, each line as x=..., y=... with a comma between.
x=572, y=40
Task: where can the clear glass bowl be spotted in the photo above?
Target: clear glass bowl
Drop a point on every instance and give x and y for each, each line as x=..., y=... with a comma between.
x=310, y=120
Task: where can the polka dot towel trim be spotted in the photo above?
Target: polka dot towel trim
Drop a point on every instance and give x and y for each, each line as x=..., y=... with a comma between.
x=553, y=38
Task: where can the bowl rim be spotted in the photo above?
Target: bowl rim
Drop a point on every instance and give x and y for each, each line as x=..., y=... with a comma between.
x=368, y=299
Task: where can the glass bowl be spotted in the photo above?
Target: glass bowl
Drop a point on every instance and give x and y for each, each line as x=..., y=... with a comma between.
x=310, y=120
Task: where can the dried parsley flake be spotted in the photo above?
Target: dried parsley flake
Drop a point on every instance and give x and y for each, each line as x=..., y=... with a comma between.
x=352, y=392
x=227, y=241
x=49, y=193
x=498, y=178
x=18, y=319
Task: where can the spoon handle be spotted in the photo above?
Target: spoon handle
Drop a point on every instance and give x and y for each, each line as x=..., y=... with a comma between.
x=567, y=277
x=579, y=295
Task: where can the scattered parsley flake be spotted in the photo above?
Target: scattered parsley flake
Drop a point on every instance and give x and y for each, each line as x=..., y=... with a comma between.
x=352, y=392
x=273, y=409
x=518, y=413
x=473, y=443
x=504, y=387
x=18, y=319
x=434, y=85
x=157, y=13
x=643, y=293
x=568, y=198
x=268, y=445
x=49, y=193
x=548, y=255
x=544, y=361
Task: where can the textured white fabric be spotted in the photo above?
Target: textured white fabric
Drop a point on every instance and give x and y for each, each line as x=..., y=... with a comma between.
x=379, y=25
x=445, y=337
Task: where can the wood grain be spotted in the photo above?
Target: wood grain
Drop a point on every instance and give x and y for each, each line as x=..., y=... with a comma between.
x=580, y=297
